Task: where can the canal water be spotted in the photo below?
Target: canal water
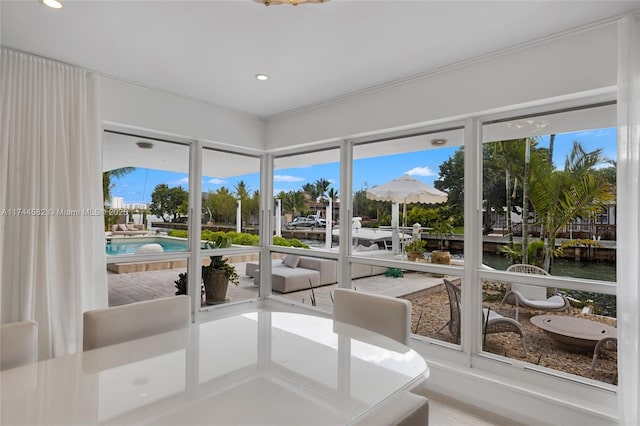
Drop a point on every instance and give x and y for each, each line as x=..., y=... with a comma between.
x=603, y=271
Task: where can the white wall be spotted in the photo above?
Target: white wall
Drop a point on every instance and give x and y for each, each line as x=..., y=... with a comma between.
x=571, y=64
x=128, y=104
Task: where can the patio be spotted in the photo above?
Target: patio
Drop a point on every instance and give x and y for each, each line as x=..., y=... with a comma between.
x=430, y=311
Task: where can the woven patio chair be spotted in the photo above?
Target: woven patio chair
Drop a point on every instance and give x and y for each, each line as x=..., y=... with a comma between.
x=515, y=297
x=610, y=343
x=492, y=322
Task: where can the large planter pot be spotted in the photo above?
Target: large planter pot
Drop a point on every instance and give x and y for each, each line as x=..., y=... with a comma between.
x=414, y=255
x=441, y=257
x=215, y=287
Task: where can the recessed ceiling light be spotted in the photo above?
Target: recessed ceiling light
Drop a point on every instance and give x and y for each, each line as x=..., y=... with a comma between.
x=438, y=141
x=262, y=77
x=54, y=4
x=144, y=144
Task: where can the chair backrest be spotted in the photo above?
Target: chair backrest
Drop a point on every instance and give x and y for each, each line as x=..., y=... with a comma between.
x=528, y=291
x=382, y=314
x=402, y=409
x=455, y=297
x=527, y=269
x=108, y=326
x=18, y=344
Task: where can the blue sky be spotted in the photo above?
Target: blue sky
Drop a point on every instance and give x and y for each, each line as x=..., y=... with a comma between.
x=137, y=187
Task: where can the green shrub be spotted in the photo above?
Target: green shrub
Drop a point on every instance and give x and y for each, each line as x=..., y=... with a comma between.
x=178, y=233
x=284, y=242
x=246, y=240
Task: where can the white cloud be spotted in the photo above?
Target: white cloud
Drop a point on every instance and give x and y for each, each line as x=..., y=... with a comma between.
x=216, y=181
x=421, y=171
x=179, y=181
x=287, y=178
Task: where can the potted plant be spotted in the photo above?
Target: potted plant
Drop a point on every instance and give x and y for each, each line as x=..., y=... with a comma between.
x=442, y=228
x=415, y=250
x=217, y=275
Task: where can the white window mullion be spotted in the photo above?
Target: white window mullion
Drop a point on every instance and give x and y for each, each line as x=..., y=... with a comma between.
x=266, y=228
x=471, y=290
x=628, y=222
x=195, y=221
x=346, y=211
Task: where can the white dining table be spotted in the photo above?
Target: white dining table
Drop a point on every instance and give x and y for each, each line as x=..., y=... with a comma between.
x=260, y=367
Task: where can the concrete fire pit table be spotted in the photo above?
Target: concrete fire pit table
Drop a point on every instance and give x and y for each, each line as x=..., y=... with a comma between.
x=573, y=333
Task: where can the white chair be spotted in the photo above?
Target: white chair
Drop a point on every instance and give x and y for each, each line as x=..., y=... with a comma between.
x=382, y=314
x=516, y=293
x=109, y=326
x=18, y=344
x=402, y=409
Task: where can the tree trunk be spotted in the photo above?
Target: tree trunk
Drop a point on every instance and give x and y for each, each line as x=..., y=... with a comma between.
x=525, y=203
x=508, y=192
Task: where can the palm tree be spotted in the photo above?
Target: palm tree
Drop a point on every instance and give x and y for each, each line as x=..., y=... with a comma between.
x=333, y=194
x=322, y=185
x=108, y=176
x=295, y=201
x=559, y=196
x=310, y=189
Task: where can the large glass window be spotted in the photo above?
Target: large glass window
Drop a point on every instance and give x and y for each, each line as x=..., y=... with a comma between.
x=230, y=221
x=549, y=211
x=407, y=227
x=306, y=188
x=146, y=195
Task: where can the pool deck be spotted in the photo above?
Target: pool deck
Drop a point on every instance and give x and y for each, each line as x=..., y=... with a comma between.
x=136, y=286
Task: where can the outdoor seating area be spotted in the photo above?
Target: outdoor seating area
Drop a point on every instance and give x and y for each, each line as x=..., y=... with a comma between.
x=431, y=311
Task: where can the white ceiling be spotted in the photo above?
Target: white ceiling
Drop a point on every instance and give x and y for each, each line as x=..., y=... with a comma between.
x=211, y=50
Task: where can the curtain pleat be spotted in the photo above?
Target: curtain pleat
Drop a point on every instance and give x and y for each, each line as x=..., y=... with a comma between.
x=52, y=256
x=628, y=219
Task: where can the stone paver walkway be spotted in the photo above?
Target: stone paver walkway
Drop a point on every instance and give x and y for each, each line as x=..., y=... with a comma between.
x=137, y=286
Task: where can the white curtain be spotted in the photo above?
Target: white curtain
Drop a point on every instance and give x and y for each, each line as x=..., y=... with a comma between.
x=628, y=218
x=52, y=260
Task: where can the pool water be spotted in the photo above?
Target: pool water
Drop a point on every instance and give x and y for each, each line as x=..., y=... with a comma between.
x=127, y=245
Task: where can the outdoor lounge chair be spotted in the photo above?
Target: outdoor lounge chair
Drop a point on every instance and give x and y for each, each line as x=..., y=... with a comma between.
x=516, y=296
x=492, y=322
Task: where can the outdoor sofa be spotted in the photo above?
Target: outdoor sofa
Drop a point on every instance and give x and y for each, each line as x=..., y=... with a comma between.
x=128, y=229
x=293, y=273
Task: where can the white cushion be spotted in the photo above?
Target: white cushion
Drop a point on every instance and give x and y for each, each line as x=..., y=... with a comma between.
x=291, y=261
x=109, y=326
x=554, y=302
x=18, y=344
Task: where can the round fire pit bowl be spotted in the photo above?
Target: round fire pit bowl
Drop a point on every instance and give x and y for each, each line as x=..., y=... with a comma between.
x=573, y=333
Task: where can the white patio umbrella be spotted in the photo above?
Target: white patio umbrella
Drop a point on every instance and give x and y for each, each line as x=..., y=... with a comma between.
x=406, y=189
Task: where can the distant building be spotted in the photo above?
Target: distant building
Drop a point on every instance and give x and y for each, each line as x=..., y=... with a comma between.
x=117, y=202
x=134, y=206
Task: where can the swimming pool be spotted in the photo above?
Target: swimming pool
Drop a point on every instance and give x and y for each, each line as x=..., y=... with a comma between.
x=128, y=245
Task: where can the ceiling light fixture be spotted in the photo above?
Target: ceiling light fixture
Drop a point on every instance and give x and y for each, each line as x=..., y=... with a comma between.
x=54, y=4
x=144, y=144
x=438, y=141
x=262, y=77
x=291, y=2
